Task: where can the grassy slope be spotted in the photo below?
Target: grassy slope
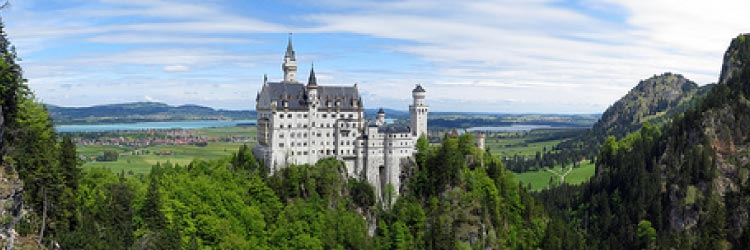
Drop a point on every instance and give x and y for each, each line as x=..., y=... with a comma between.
x=540, y=179
x=517, y=146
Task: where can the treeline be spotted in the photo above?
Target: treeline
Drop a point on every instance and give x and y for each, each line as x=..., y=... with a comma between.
x=546, y=159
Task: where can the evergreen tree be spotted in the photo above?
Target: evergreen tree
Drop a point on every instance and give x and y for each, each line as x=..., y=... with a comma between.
x=151, y=210
x=119, y=229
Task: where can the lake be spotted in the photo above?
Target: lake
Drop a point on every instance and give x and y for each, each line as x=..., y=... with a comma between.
x=511, y=128
x=150, y=125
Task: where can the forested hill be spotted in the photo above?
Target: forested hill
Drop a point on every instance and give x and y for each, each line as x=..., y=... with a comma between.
x=651, y=101
x=654, y=100
x=684, y=186
x=141, y=112
x=156, y=112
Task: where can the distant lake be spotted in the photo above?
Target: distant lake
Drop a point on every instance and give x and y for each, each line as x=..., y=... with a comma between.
x=150, y=125
x=511, y=128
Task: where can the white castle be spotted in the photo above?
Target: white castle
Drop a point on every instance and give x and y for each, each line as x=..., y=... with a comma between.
x=301, y=124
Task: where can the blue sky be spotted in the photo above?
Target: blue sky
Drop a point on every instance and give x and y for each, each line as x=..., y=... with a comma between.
x=526, y=56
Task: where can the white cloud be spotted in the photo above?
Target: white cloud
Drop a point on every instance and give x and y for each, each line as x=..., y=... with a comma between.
x=526, y=50
x=176, y=68
x=150, y=99
x=505, y=56
x=135, y=38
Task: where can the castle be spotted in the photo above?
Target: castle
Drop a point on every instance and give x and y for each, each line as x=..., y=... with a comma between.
x=301, y=124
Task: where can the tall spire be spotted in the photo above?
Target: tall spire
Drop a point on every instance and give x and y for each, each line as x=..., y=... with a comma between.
x=290, y=63
x=312, y=81
x=289, y=49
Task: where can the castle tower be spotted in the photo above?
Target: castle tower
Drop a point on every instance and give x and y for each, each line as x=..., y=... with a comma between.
x=480, y=141
x=290, y=63
x=481, y=146
x=380, y=121
x=418, y=111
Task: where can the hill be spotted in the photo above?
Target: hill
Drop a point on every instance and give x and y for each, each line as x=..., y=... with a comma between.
x=141, y=112
x=653, y=100
x=684, y=186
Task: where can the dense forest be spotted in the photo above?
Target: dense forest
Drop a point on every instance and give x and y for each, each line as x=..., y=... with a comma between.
x=684, y=186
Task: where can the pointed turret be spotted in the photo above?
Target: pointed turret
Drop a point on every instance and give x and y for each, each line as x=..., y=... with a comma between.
x=312, y=81
x=312, y=89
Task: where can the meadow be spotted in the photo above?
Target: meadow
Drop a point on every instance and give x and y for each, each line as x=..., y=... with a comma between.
x=134, y=161
x=527, y=143
x=540, y=179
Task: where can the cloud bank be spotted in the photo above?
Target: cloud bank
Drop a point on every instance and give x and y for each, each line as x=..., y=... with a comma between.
x=500, y=56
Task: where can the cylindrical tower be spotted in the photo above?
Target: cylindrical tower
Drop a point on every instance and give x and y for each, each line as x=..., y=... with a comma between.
x=418, y=112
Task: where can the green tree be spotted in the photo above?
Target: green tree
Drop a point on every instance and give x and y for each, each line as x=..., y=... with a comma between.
x=152, y=205
x=646, y=235
x=120, y=228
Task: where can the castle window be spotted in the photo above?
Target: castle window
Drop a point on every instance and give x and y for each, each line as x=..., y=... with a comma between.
x=325, y=116
x=281, y=145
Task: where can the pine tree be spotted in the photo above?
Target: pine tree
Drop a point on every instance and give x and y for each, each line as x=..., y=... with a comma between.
x=151, y=210
x=13, y=88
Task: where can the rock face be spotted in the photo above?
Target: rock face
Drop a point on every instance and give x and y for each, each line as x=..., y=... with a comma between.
x=721, y=127
x=11, y=202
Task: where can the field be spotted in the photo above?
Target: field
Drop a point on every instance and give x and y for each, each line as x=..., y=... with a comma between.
x=133, y=163
x=527, y=143
x=139, y=161
x=245, y=131
x=539, y=180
